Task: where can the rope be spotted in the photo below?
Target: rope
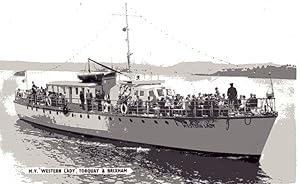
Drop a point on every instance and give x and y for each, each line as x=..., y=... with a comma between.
x=59, y=65
x=79, y=51
x=249, y=121
x=227, y=123
x=166, y=34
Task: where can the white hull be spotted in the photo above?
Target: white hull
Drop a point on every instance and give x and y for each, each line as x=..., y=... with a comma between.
x=231, y=136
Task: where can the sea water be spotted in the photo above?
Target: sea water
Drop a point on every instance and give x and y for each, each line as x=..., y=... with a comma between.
x=24, y=145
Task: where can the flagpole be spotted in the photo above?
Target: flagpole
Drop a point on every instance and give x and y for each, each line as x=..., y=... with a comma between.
x=26, y=79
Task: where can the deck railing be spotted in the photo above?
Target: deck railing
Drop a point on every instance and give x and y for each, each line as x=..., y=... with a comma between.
x=196, y=108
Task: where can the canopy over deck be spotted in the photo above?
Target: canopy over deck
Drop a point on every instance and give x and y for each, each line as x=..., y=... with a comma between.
x=72, y=84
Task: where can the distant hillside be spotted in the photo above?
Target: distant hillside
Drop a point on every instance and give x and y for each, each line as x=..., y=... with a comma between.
x=199, y=67
x=279, y=72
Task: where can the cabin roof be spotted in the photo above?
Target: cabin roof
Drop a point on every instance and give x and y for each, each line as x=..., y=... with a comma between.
x=149, y=87
x=72, y=83
x=142, y=82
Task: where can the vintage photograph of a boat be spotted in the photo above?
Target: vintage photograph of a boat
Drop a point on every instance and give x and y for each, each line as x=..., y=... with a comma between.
x=148, y=92
x=146, y=112
x=120, y=105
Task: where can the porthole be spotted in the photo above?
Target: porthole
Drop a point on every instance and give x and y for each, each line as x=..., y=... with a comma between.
x=88, y=116
x=27, y=107
x=43, y=111
x=155, y=122
x=110, y=118
x=99, y=117
x=49, y=112
x=57, y=112
x=143, y=121
x=72, y=115
x=167, y=122
x=130, y=120
x=80, y=116
x=36, y=109
x=120, y=119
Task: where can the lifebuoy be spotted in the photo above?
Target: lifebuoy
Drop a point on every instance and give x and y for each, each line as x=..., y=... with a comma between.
x=124, y=109
x=105, y=107
x=48, y=101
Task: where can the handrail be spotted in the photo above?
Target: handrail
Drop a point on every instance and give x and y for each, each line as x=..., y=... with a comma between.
x=194, y=108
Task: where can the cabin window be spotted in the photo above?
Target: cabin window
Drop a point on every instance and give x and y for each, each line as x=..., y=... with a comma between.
x=76, y=91
x=142, y=93
x=151, y=93
x=55, y=89
x=136, y=93
x=169, y=92
x=64, y=90
x=160, y=92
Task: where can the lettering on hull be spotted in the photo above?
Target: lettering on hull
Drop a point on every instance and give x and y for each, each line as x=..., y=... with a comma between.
x=196, y=123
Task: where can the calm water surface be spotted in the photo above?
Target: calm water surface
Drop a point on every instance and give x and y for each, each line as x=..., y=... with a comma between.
x=24, y=145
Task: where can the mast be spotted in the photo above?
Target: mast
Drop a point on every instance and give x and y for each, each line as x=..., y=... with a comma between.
x=127, y=39
x=126, y=29
x=272, y=88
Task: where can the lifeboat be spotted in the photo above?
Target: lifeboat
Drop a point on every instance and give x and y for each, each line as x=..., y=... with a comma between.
x=91, y=76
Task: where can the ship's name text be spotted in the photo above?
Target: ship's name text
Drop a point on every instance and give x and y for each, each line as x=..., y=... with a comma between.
x=198, y=124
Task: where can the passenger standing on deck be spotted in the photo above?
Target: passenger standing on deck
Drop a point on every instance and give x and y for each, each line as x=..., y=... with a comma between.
x=255, y=101
x=34, y=90
x=89, y=98
x=217, y=93
x=81, y=96
x=148, y=105
x=98, y=100
x=232, y=94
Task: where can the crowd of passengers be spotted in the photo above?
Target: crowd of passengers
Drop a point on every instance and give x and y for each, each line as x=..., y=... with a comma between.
x=200, y=105
x=40, y=95
x=213, y=104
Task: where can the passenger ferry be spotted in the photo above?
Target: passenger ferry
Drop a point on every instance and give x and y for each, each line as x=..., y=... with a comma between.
x=146, y=112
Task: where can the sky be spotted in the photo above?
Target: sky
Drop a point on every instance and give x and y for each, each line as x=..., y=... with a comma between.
x=162, y=33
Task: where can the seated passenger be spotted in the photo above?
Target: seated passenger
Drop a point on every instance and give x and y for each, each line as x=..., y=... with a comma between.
x=250, y=102
x=242, y=106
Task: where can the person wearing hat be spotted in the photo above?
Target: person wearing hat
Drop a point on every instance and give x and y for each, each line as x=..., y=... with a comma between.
x=232, y=94
x=217, y=92
x=34, y=92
